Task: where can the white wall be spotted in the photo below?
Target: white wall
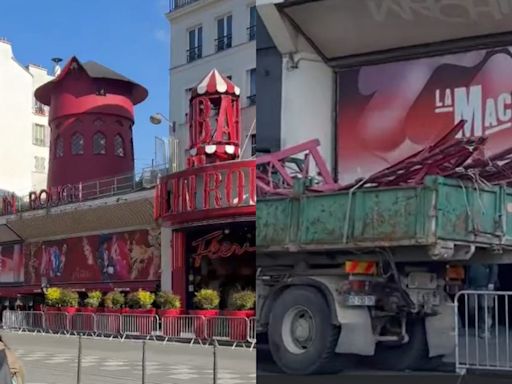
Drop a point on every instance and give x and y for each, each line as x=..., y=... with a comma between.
x=17, y=153
x=307, y=102
x=235, y=61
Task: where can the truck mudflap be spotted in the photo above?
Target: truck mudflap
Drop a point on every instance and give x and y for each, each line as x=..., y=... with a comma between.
x=356, y=336
x=441, y=324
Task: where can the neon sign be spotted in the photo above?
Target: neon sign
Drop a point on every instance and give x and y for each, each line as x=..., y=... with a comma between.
x=214, y=247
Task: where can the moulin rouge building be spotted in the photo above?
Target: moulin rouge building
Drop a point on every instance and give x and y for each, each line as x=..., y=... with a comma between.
x=207, y=211
x=92, y=227
x=97, y=227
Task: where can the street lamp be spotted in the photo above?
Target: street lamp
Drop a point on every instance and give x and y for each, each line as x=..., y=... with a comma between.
x=157, y=119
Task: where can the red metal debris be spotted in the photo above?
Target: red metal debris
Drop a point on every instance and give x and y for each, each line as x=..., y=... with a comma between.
x=449, y=156
x=275, y=172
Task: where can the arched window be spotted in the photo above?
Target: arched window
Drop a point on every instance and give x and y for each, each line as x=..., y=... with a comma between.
x=59, y=147
x=119, y=145
x=77, y=144
x=99, y=144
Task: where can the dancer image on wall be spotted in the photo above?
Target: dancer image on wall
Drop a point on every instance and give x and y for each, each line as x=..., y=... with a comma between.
x=104, y=260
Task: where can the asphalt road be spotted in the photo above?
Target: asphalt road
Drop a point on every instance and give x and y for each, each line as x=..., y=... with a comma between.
x=53, y=360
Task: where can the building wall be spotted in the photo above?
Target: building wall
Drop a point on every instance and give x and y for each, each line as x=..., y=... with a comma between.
x=17, y=168
x=236, y=61
x=269, y=78
x=307, y=86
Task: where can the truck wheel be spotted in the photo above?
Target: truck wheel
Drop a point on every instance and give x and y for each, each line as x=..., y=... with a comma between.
x=410, y=356
x=301, y=337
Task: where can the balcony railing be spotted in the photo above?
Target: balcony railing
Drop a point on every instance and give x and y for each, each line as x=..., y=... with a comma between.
x=177, y=4
x=223, y=43
x=194, y=54
x=251, y=33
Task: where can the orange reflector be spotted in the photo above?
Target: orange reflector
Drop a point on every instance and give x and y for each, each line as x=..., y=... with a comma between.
x=361, y=267
x=455, y=272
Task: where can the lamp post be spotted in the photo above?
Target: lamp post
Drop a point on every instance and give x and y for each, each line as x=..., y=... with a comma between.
x=157, y=119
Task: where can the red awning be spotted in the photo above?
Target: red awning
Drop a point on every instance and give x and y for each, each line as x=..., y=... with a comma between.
x=14, y=291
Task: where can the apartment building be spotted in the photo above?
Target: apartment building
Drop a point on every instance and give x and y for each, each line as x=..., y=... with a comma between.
x=24, y=131
x=207, y=34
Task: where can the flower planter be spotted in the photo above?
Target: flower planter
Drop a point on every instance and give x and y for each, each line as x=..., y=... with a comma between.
x=112, y=311
x=237, y=324
x=139, y=320
x=84, y=322
x=203, y=324
x=87, y=310
x=170, y=312
x=171, y=325
x=69, y=310
x=51, y=309
x=110, y=321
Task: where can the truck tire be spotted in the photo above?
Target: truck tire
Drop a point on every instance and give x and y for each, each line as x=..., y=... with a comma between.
x=410, y=356
x=302, y=338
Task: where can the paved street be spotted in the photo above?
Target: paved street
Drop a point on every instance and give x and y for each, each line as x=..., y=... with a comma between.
x=53, y=360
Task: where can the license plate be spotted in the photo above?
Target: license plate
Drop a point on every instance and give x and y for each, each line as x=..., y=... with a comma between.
x=359, y=300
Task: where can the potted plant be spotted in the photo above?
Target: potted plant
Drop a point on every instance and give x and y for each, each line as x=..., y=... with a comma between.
x=52, y=299
x=69, y=301
x=241, y=306
x=113, y=302
x=169, y=303
x=92, y=302
x=140, y=302
x=207, y=303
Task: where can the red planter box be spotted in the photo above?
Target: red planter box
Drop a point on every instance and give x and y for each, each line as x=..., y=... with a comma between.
x=52, y=309
x=69, y=310
x=112, y=311
x=171, y=326
x=130, y=311
x=237, y=326
x=87, y=310
x=200, y=323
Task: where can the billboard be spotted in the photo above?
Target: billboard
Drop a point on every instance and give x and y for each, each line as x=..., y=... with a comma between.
x=11, y=263
x=111, y=257
x=389, y=111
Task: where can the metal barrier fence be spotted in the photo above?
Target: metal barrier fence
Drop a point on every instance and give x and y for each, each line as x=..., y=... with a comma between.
x=482, y=331
x=185, y=328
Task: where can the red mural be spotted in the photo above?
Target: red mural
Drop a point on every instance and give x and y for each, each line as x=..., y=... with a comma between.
x=112, y=257
x=11, y=263
x=389, y=111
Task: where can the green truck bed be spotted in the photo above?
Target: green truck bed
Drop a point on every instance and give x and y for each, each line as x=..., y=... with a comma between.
x=440, y=211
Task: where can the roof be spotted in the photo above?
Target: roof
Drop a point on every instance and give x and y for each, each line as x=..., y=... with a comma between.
x=214, y=83
x=95, y=71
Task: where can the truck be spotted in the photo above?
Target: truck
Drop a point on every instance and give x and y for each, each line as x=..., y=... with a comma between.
x=367, y=274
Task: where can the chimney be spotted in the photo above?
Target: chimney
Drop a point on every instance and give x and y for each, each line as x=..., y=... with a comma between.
x=5, y=48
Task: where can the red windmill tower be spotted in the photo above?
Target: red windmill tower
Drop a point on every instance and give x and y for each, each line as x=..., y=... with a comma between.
x=91, y=119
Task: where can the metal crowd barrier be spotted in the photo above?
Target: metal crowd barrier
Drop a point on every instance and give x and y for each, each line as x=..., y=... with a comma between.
x=482, y=331
x=183, y=328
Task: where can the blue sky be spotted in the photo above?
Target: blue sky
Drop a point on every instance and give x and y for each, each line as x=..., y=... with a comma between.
x=129, y=36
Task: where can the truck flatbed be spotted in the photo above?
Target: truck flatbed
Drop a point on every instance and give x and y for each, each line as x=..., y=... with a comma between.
x=440, y=214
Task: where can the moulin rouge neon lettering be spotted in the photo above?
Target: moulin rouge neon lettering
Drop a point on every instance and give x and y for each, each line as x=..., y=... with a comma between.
x=214, y=247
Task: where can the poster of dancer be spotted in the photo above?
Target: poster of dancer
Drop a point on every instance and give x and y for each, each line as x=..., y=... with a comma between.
x=124, y=256
x=11, y=263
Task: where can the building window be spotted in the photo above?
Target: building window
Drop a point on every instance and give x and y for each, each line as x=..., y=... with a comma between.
x=59, y=147
x=252, y=87
x=253, y=144
x=99, y=144
x=195, y=44
x=39, y=108
x=224, y=33
x=77, y=144
x=119, y=145
x=251, y=30
x=40, y=135
x=40, y=164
